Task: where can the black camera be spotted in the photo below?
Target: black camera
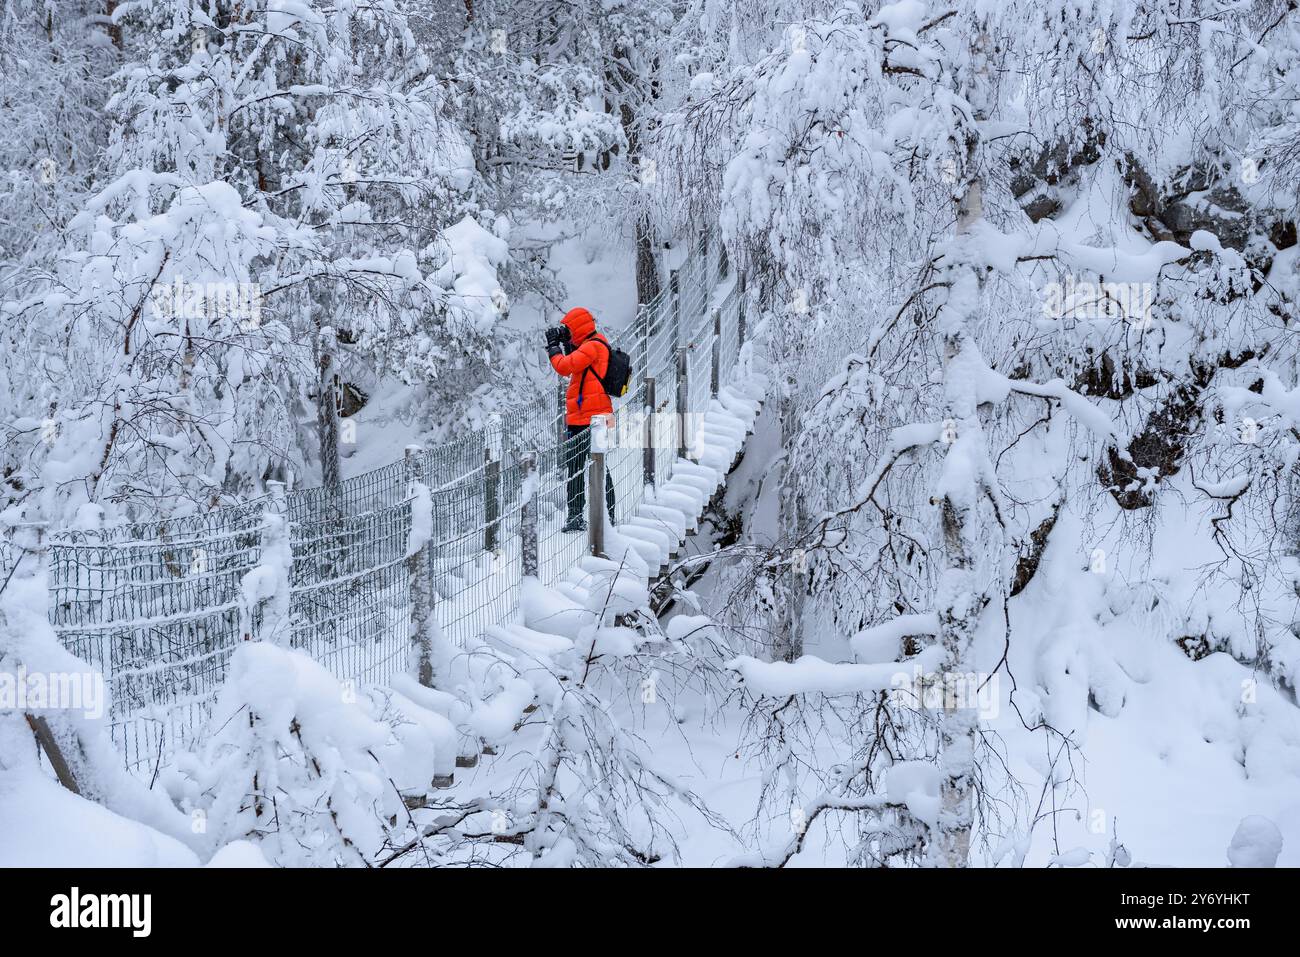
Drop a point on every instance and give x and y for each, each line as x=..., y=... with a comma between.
x=558, y=336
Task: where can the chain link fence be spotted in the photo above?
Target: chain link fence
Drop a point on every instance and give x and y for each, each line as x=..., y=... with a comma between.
x=159, y=607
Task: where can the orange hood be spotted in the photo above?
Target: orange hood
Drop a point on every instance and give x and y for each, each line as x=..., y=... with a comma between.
x=580, y=324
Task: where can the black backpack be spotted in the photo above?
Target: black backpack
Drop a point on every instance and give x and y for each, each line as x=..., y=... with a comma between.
x=618, y=372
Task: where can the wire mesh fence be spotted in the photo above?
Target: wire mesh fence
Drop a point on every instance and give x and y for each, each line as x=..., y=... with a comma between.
x=349, y=591
x=730, y=340
x=160, y=606
x=159, y=621
x=625, y=460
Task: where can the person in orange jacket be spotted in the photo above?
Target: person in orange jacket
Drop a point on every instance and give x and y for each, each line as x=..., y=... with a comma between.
x=578, y=351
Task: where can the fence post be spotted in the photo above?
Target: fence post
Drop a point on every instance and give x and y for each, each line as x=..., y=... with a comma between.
x=683, y=399
x=704, y=264
x=275, y=549
x=675, y=287
x=418, y=580
x=561, y=432
x=643, y=317
x=715, y=376
x=740, y=311
x=528, y=515
x=649, y=434
x=596, y=486
x=492, y=483
x=31, y=555
x=327, y=409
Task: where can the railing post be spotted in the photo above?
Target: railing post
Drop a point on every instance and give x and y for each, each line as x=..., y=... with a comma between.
x=327, y=409
x=417, y=572
x=649, y=433
x=561, y=431
x=740, y=311
x=528, y=515
x=715, y=374
x=492, y=483
x=683, y=399
x=276, y=554
x=675, y=287
x=643, y=317
x=596, y=486
x=706, y=275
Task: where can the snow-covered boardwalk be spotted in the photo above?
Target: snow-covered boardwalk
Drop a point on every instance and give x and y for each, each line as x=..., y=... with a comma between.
x=347, y=573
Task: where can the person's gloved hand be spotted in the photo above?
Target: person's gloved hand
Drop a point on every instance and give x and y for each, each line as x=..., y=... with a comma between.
x=555, y=339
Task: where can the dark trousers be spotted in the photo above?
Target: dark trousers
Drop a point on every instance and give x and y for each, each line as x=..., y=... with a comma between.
x=576, y=451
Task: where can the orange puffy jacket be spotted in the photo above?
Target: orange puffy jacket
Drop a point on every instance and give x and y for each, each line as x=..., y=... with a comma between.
x=586, y=396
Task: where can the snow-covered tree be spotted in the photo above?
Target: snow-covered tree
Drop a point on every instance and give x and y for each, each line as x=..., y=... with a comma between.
x=927, y=194
x=270, y=174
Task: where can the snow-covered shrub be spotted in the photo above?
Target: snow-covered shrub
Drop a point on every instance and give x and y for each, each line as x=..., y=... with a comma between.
x=303, y=765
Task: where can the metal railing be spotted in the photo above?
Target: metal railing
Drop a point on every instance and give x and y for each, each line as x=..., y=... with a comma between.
x=159, y=607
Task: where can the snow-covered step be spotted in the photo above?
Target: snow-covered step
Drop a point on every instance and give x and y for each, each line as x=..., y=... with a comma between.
x=738, y=405
x=680, y=501
x=665, y=539
x=624, y=544
x=724, y=425
x=688, y=489
x=572, y=591
x=528, y=641
x=705, y=486
x=685, y=467
x=668, y=517
x=719, y=418
x=717, y=458
x=494, y=720
x=641, y=529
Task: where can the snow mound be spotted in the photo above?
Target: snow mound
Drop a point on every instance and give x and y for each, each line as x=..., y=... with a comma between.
x=47, y=826
x=1256, y=843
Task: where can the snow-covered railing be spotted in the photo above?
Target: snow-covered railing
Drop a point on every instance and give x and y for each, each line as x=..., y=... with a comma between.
x=159, y=606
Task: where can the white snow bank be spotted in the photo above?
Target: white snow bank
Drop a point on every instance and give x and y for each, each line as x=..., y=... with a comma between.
x=239, y=854
x=547, y=610
x=45, y=825
x=1256, y=843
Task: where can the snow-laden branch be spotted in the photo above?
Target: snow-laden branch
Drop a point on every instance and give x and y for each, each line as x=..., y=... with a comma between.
x=869, y=643
x=812, y=675
x=994, y=387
